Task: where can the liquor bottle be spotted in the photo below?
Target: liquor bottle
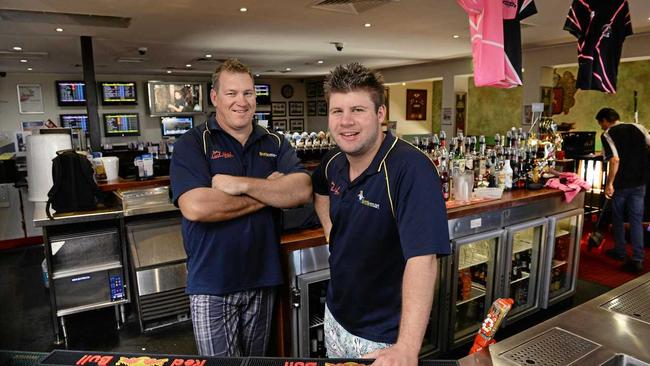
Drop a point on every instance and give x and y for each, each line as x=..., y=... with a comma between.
x=508, y=175
x=444, y=179
x=469, y=155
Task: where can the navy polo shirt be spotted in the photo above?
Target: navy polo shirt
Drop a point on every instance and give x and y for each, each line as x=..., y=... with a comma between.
x=392, y=212
x=242, y=253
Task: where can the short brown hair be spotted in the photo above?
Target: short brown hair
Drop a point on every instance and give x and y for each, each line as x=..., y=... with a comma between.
x=230, y=65
x=355, y=76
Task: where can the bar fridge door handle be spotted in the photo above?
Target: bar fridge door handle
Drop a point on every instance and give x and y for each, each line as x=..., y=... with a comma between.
x=295, y=297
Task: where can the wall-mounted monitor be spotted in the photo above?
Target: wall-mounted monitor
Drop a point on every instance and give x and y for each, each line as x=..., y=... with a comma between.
x=176, y=125
x=263, y=94
x=263, y=119
x=121, y=124
x=118, y=93
x=71, y=93
x=74, y=121
x=168, y=98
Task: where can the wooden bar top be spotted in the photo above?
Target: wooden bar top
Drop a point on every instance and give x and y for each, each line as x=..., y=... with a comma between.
x=315, y=237
x=121, y=183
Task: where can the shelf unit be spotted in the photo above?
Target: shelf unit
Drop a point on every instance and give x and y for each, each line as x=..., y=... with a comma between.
x=524, y=276
x=557, y=263
x=315, y=320
x=477, y=258
x=477, y=291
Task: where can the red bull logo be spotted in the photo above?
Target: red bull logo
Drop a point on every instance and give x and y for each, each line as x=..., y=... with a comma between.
x=141, y=361
x=99, y=360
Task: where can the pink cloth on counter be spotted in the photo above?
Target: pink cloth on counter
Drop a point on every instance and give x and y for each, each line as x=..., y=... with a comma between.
x=572, y=187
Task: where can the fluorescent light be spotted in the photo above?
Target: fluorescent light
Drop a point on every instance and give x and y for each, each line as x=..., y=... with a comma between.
x=17, y=48
x=367, y=25
x=243, y=10
x=320, y=61
x=188, y=65
x=23, y=60
x=59, y=29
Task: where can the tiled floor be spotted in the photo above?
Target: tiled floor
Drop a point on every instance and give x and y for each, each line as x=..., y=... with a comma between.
x=26, y=323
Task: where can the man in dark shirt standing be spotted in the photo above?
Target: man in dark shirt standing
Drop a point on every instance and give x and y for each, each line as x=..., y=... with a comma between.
x=625, y=146
x=380, y=202
x=227, y=176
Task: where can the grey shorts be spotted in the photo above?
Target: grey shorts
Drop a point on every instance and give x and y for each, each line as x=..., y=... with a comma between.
x=342, y=344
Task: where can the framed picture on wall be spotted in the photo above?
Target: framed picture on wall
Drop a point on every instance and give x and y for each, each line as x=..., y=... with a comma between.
x=461, y=111
x=280, y=124
x=296, y=109
x=547, y=98
x=279, y=109
x=321, y=108
x=297, y=125
x=30, y=98
x=311, y=108
x=416, y=104
x=446, y=116
x=311, y=90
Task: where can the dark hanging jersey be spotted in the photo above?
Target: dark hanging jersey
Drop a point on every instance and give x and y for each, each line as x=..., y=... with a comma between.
x=601, y=27
x=512, y=30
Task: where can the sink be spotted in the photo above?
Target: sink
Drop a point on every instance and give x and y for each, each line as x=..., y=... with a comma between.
x=621, y=359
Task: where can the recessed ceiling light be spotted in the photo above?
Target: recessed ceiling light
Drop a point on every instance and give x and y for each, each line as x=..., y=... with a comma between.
x=243, y=10
x=188, y=65
x=169, y=71
x=29, y=69
x=208, y=55
x=320, y=61
x=403, y=84
x=23, y=60
x=288, y=69
x=367, y=25
x=17, y=48
x=456, y=36
x=59, y=29
x=257, y=75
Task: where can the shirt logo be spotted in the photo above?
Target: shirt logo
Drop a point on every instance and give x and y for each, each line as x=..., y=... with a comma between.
x=365, y=202
x=268, y=155
x=216, y=154
x=335, y=189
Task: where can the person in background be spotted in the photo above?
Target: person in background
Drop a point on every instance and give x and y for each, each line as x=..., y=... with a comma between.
x=179, y=103
x=380, y=202
x=625, y=147
x=228, y=176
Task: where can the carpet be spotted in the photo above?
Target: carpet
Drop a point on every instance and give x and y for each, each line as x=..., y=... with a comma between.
x=596, y=267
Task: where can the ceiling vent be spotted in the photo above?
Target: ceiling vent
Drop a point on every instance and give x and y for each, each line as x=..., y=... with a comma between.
x=349, y=6
x=32, y=56
x=89, y=20
x=208, y=61
x=132, y=60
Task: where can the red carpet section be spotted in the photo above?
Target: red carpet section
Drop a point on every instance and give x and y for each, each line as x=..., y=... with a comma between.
x=596, y=267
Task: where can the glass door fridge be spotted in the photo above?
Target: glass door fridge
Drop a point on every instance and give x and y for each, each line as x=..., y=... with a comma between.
x=309, y=307
x=470, y=289
x=562, y=255
x=522, y=267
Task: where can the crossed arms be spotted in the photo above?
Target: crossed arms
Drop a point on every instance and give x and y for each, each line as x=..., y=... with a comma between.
x=232, y=196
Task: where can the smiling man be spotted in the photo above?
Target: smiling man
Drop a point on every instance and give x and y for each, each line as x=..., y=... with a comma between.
x=228, y=176
x=380, y=202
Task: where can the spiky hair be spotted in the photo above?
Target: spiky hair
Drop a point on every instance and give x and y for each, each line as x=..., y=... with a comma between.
x=230, y=65
x=355, y=76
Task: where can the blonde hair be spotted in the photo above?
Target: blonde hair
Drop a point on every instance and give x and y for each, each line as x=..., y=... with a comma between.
x=230, y=65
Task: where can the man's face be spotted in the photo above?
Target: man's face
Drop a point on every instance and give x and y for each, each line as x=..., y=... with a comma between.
x=354, y=122
x=604, y=125
x=235, y=100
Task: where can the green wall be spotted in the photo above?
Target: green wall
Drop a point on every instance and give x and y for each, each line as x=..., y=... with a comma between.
x=492, y=110
x=436, y=106
x=633, y=75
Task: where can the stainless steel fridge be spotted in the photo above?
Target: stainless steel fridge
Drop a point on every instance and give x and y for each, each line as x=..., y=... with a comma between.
x=473, y=268
x=522, y=267
x=562, y=256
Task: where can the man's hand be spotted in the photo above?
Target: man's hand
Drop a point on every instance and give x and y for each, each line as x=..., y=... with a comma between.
x=232, y=185
x=275, y=175
x=609, y=191
x=395, y=355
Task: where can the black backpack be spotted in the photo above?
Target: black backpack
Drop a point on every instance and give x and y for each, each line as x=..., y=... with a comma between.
x=74, y=187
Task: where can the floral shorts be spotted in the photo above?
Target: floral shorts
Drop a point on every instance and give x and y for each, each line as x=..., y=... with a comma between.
x=342, y=344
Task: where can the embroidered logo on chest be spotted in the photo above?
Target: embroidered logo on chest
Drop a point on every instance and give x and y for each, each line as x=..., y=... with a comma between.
x=336, y=190
x=365, y=202
x=268, y=155
x=216, y=154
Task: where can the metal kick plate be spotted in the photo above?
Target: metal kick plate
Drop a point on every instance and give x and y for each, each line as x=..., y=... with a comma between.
x=634, y=303
x=556, y=347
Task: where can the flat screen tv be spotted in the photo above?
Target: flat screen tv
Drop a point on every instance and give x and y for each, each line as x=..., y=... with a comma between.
x=176, y=125
x=118, y=93
x=263, y=94
x=71, y=93
x=121, y=124
x=263, y=119
x=74, y=121
x=168, y=98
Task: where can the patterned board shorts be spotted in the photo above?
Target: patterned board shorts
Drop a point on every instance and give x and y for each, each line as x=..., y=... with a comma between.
x=342, y=344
